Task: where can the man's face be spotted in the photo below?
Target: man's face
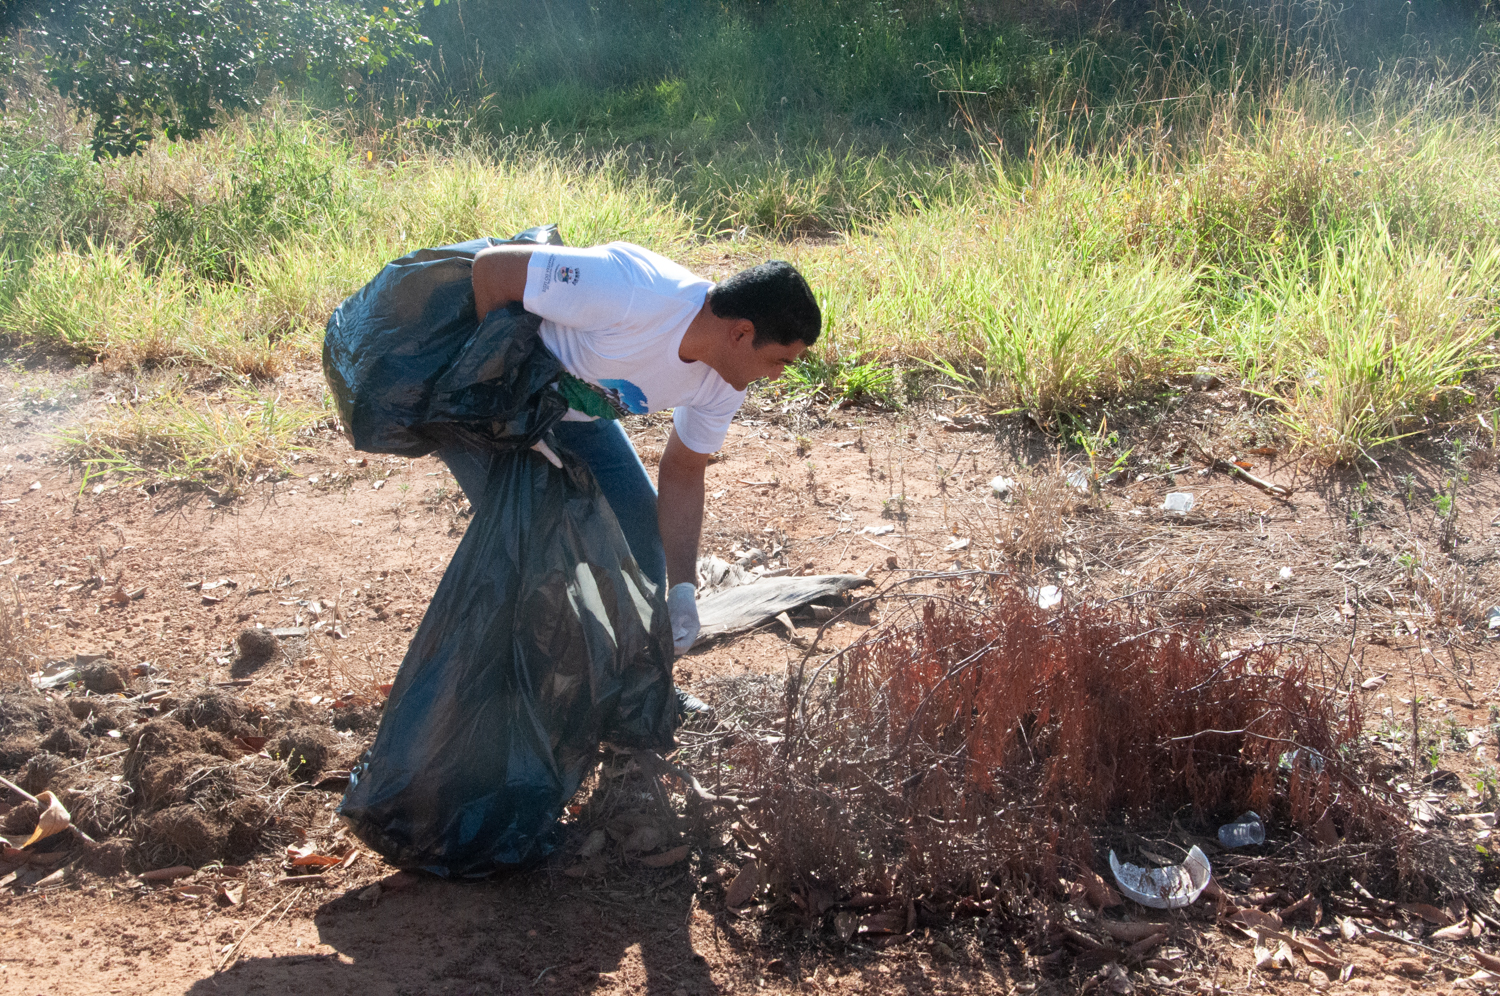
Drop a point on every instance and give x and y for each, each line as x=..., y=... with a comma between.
x=748, y=362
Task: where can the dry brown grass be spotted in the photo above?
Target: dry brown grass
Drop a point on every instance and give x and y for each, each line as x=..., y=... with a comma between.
x=18, y=656
x=979, y=755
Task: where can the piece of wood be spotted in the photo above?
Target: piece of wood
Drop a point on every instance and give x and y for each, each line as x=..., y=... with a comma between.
x=744, y=607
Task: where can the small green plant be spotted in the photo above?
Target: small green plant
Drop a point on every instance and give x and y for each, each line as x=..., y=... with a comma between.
x=831, y=378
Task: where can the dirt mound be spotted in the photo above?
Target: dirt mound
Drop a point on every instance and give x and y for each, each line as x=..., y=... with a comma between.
x=19, y=819
x=101, y=807
x=102, y=678
x=305, y=750
x=26, y=717
x=181, y=834
x=358, y=719
x=66, y=742
x=40, y=771
x=157, y=738
x=255, y=649
x=217, y=712
x=167, y=780
x=25, y=711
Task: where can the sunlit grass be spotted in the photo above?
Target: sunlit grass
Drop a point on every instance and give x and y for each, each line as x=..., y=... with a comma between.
x=1325, y=245
x=228, y=439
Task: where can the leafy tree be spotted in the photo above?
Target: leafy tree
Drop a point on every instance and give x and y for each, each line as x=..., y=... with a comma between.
x=172, y=65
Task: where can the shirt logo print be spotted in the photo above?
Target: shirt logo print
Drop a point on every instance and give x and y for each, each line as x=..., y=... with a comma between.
x=567, y=275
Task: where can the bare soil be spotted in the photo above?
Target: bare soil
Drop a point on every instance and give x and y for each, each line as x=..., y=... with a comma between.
x=342, y=555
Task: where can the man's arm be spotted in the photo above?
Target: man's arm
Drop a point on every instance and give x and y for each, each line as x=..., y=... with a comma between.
x=679, y=509
x=499, y=277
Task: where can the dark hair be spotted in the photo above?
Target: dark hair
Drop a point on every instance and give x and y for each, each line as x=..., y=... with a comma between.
x=775, y=299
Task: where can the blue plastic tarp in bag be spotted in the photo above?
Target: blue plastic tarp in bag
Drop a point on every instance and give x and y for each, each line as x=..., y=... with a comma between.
x=543, y=638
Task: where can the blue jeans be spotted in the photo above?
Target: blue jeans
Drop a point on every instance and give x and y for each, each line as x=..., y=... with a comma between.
x=622, y=477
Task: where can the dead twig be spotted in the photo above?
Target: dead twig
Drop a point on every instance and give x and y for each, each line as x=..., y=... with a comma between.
x=248, y=930
x=1234, y=470
x=655, y=766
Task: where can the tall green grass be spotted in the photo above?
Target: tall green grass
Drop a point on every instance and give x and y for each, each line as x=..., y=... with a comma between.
x=1051, y=220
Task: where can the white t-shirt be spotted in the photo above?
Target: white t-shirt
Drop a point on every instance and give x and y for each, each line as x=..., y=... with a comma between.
x=615, y=316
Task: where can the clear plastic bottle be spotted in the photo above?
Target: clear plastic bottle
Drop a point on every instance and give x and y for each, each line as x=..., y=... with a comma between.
x=1246, y=831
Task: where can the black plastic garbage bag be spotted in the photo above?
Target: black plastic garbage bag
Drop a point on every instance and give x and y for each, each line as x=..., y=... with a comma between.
x=408, y=351
x=544, y=638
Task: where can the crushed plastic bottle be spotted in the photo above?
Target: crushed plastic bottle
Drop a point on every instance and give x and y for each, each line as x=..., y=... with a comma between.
x=1247, y=831
x=1179, y=501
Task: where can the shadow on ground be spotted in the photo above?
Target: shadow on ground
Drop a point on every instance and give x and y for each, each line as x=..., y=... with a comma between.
x=530, y=933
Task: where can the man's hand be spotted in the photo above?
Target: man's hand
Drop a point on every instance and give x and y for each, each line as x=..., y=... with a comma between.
x=679, y=508
x=499, y=277
x=682, y=609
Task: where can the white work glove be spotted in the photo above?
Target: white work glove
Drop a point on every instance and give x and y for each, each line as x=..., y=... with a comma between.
x=682, y=610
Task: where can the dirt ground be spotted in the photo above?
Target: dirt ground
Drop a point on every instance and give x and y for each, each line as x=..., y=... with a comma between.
x=343, y=554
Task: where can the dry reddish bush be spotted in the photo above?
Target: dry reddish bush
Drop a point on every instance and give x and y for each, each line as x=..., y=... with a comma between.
x=981, y=750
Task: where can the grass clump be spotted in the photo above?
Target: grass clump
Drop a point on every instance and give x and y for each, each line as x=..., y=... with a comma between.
x=225, y=440
x=1365, y=345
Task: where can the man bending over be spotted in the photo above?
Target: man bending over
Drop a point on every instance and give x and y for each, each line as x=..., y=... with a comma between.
x=638, y=333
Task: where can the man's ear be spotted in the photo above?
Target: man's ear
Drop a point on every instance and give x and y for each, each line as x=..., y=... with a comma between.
x=742, y=330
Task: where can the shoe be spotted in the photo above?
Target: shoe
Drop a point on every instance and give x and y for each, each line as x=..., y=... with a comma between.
x=689, y=706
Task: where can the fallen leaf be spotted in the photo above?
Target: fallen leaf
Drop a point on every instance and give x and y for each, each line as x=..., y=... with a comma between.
x=1129, y=932
x=1145, y=944
x=194, y=891
x=54, y=818
x=1253, y=918
x=1116, y=981
x=167, y=874
x=1428, y=912
x=1317, y=949
x=593, y=844
x=1458, y=932
x=646, y=838
x=744, y=886
x=883, y=923
x=958, y=543
x=1370, y=684
x=56, y=878
x=232, y=893
x=1319, y=979
x=1489, y=961
x=666, y=858
x=307, y=856
x=1098, y=892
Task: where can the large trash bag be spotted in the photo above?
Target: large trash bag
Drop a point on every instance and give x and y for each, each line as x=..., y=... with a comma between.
x=408, y=351
x=544, y=638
